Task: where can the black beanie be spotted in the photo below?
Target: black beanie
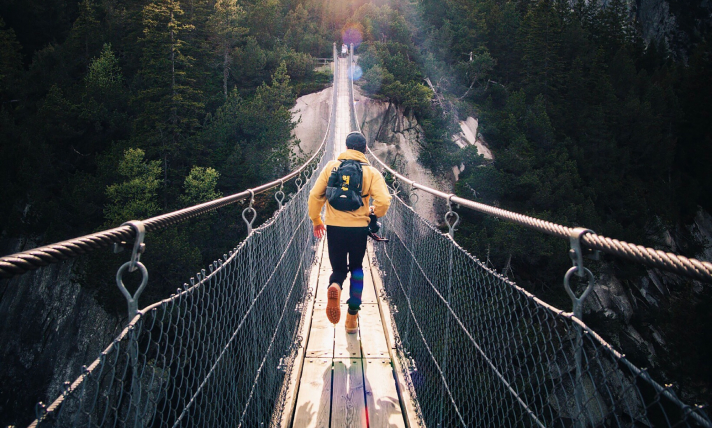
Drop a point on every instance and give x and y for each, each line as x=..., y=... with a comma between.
x=356, y=141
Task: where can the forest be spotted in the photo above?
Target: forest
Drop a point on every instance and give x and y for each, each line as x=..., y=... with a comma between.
x=111, y=111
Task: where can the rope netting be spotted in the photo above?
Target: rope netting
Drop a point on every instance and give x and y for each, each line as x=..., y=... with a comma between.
x=477, y=350
x=220, y=351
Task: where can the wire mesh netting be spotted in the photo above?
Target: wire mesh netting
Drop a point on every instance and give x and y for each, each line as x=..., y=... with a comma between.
x=217, y=353
x=479, y=351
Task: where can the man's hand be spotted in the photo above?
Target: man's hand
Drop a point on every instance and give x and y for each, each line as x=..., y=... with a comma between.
x=319, y=231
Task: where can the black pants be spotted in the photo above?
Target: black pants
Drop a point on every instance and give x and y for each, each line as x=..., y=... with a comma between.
x=347, y=246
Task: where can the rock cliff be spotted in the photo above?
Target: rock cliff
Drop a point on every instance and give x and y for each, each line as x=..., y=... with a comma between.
x=50, y=326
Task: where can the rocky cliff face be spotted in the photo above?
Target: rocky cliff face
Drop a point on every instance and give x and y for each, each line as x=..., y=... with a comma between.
x=311, y=115
x=49, y=327
x=395, y=138
x=679, y=24
x=661, y=321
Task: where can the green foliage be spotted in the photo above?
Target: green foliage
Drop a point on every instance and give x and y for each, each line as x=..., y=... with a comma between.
x=200, y=186
x=227, y=33
x=587, y=124
x=171, y=104
x=104, y=76
x=135, y=197
x=251, y=139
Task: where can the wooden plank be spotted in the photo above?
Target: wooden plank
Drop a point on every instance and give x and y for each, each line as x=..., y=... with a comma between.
x=348, y=407
x=345, y=345
x=323, y=282
x=293, y=385
x=408, y=399
x=324, y=273
x=373, y=338
x=321, y=337
x=314, y=400
x=382, y=402
x=369, y=292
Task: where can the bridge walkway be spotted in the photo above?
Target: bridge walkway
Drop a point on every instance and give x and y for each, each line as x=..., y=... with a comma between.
x=346, y=380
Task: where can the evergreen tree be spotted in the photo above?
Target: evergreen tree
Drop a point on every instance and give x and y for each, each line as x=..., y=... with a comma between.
x=86, y=31
x=170, y=103
x=539, y=42
x=227, y=33
x=135, y=197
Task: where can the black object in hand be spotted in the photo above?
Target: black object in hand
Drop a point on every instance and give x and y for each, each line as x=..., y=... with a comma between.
x=374, y=226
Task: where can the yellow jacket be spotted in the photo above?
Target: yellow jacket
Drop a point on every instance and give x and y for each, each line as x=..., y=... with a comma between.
x=374, y=186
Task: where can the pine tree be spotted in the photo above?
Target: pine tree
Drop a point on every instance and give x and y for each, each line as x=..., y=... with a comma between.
x=86, y=31
x=169, y=99
x=540, y=43
x=226, y=33
x=613, y=27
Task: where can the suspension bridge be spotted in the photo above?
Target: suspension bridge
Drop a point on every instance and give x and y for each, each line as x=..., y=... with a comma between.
x=443, y=340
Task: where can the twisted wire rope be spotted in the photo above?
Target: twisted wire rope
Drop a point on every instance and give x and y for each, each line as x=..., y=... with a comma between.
x=518, y=361
x=19, y=263
x=219, y=352
x=679, y=264
x=510, y=356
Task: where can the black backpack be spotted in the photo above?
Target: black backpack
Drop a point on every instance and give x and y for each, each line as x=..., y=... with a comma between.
x=343, y=190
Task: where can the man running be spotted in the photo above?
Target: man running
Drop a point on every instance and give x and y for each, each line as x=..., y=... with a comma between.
x=347, y=230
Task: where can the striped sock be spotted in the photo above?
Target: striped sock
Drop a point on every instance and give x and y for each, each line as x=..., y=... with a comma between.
x=355, y=291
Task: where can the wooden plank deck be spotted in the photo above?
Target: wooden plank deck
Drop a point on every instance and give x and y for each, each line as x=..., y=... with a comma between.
x=347, y=380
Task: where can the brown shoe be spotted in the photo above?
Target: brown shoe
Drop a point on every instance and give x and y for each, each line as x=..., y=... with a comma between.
x=333, y=309
x=351, y=323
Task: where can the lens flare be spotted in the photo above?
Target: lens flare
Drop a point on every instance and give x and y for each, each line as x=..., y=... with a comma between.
x=352, y=34
x=357, y=73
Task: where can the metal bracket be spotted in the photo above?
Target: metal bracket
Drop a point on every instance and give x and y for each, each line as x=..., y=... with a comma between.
x=132, y=265
x=279, y=194
x=138, y=247
x=451, y=213
x=577, y=253
x=248, y=209
x=413, y=197
x=395, y=186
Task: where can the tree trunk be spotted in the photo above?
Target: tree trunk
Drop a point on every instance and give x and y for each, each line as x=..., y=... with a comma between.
x=226, y=70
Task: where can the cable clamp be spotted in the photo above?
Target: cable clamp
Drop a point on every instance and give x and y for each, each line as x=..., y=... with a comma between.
x=250, y=209
x=132, y=265
x=450, y=213
x=279, y=194
x=577, y=253
x=138, y=247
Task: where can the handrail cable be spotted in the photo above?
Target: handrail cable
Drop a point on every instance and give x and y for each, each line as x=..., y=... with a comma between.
x=682, y=265
x=166, y=378
x=25, y=261
x=668, y=261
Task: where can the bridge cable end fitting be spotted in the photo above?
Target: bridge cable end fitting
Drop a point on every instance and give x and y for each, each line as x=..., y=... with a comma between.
x=138, y=248
x=577, y=253
x=248, y=209
x=451, y=213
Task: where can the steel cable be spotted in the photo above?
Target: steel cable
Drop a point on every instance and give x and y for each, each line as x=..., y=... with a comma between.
x=512, y=360
x=216, y=353
x=19, y=263
x=682, y=265
x=507, y=358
